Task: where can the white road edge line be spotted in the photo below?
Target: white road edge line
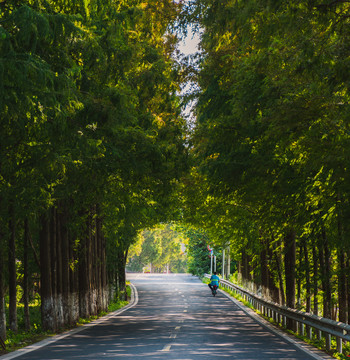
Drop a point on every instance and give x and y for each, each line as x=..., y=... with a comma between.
x=133, y=302
x=298, y=343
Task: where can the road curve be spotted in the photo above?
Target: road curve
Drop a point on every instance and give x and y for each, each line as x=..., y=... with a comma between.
x=176, y=317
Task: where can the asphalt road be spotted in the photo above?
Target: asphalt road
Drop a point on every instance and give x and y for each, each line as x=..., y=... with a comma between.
x=176, y=317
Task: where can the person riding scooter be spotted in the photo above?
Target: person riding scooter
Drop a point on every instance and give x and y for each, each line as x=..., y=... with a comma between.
x=214, y=281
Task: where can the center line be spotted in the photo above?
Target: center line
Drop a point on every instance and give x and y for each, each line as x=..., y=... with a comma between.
x=178, y=328
x=166, y=348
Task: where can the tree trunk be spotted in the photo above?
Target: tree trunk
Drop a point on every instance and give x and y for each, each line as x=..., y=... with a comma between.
x=270, y=291
x=315, y=279
x=59, y=298
x=84, y=275
x=327, y=289
x=307, y=278
x=289, y=262
x=53, y=261
x=348, y=283
x=121, y=279
x=239, y=271
x=342, y=287
x=104, y=271
x=280, y=278
x=26, y=276
x=100, y=264
x=246, y=275
x=298, y=280
x=304, y=252
x=264, y=272
x=36, y=256
x=47, y=306
x=342, y=276
x=93, y=261
x=12, y=273
x=73, y=282
x=65, y=269
x=325, y=275
x=274, y=291
x=98, y=275
x=90, y=266
x=228, y=262
x=2, y=290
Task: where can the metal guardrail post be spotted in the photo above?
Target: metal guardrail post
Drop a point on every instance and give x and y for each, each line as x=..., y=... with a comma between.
x=339, y=345
x=328, y=341
x=309, y=331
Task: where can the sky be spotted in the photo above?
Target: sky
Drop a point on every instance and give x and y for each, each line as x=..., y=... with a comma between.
x=189, y=46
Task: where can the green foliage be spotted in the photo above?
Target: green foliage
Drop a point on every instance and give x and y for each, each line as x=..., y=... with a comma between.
x=35, y=316
x=270, y=144
x=90, y=122
x=99, y=101
x=161, y=247
x=269, y=114
x=197, y=251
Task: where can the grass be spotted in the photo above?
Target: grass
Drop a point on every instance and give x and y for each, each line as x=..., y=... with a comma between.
x=22, y=338
x=117, y=305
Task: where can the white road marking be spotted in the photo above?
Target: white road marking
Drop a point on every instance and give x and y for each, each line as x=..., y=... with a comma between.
x=167, y=348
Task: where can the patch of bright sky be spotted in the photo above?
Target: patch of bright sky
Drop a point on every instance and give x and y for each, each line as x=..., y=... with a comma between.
x=189, y=46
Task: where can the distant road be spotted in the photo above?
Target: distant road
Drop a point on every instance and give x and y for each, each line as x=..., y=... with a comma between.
x=176, y=317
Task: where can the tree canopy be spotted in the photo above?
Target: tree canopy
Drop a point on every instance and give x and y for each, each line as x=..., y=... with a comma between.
x=92, y=143
x=95, y=149
x=271, y=144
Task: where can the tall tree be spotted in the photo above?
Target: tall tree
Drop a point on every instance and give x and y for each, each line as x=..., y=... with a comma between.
x=272, y=128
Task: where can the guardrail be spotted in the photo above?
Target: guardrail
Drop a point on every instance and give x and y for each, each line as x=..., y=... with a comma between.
x=305, y=323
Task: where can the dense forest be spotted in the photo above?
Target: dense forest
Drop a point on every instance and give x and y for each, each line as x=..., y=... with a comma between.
x=91, y=148
x=96, y=151
x=272, y=146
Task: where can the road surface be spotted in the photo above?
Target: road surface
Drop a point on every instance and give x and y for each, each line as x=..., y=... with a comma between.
x=176, y=317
